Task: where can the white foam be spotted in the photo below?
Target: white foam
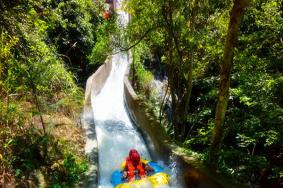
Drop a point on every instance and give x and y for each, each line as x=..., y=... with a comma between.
x=115, y=133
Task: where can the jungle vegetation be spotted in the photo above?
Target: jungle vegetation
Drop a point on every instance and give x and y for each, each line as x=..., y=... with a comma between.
x=221, y=63
x=47, y=50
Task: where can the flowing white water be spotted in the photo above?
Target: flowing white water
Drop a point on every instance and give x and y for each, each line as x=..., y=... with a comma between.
x=115, y=133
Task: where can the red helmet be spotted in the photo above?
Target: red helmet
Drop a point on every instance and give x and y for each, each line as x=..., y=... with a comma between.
x=134, y=156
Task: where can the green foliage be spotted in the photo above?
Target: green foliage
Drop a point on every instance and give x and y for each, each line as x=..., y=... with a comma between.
x=28, y=151
x=201, y=138
x=73, y=30
x=142, y=76
x=240, y=165
x=36, y=83
x=253, y=125
x=106, y=33
x=66, y=171
x=254, y=116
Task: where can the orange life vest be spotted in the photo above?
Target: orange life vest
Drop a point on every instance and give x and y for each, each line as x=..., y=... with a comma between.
x=132, y=168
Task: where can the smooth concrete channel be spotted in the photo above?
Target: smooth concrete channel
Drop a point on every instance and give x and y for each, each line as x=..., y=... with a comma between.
x=94, y=84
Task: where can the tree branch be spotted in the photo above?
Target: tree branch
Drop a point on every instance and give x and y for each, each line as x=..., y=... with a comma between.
x=133, y=45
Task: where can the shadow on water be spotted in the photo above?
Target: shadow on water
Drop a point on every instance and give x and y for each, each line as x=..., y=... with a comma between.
x=118, y=138
x=148, y=141
x=116, y=126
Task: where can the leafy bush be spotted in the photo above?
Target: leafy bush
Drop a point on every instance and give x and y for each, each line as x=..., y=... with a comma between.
x=35, y=84
x=252, y=137
x=140, y=75
x=106, y=36
x=26, y=153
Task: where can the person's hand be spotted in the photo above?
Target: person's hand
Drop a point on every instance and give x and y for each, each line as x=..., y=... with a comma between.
x=124, y=174
x=148, y=168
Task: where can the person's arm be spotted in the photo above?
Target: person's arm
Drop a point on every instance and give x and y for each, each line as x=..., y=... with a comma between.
x=125, y=172
x=148, y=168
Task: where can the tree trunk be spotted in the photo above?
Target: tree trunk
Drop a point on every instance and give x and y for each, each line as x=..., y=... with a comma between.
x=180, y=85
x=236, y=15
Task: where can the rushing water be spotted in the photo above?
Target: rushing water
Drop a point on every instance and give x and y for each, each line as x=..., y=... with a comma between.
x=115, y=133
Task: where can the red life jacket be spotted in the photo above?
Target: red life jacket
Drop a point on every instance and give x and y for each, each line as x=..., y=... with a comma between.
x=131, y=169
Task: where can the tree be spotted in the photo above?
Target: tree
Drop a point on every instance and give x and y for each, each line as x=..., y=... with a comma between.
x=35, y=85
x=236, y=15
x=248, y=137
x=170, y=28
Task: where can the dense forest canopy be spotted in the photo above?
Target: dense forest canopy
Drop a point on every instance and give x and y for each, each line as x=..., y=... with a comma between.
x=188, y=44
x=48, y=48
x=220, y=62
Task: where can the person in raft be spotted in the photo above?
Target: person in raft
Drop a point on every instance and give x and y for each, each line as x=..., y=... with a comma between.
x=135, y=168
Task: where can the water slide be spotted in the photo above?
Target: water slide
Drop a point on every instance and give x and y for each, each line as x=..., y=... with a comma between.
x=115, y=132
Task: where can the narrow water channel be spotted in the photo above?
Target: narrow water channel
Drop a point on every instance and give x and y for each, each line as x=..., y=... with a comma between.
x=116, y=135
x=115, y=132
